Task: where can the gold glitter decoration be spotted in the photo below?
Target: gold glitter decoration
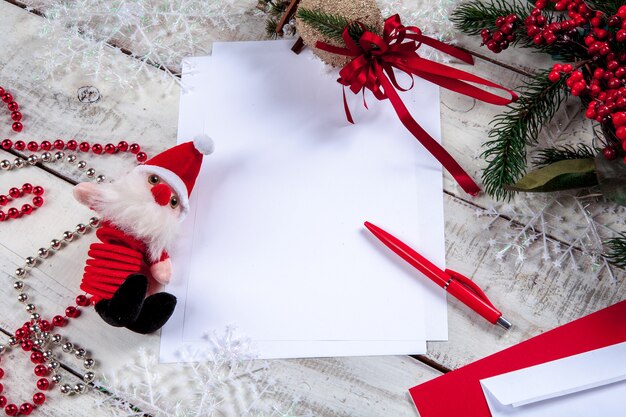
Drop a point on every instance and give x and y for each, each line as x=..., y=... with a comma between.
x=365, y=11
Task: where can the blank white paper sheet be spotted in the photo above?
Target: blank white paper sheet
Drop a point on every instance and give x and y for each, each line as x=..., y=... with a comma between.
x=274, y=242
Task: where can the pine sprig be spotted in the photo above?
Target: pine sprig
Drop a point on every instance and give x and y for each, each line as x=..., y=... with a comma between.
x=330, y=25
x=561, y=153
x=514, y=129
x=609, y=7
x=617, y=253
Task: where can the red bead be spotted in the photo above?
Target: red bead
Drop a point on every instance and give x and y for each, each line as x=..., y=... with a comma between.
x=621, y=133
x=84, y=146
x=16, y=116
x=43, y=384
x=72, y=312
x=41, y=370
x=122, y=146
x=13, y=213
x=19, y=145
x=36, y=357
x=141, y=157
x=17, y=127
x=3, y=401
x=20, y=333
x=72, y=145
x=45, y=325
x=13, y=106
x=26, y=409
x=7, y=97
x=96, y=148
x=38, y=201
x=134, y=148
x=4, y=200
x=38, y=190
x=1, y=373
x=27, y=345
x=2, y=216
x=7, y=144
x=11, y=410
x=82, y=300
x=39, y=398
x=1, y=388
x=59, y=144
x=27, y=187
x=46, y=145
x=32, y=146
x=2, y=91
x=27, y=209
x=15, y=192
x=110, y=148
x=58, y=321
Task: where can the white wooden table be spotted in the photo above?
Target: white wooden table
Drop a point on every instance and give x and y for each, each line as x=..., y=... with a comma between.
x=536, y=297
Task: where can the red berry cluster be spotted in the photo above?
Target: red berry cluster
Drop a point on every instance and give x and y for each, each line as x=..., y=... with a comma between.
x=600, y=81
x=500, y=39
x=73, y=145
x=14, y=194
x=548, y=33
x=14, y=108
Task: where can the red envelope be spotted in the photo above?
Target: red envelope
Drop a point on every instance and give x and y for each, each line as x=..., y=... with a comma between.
x=459, y=393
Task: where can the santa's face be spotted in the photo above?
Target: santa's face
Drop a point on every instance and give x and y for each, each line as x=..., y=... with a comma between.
x=142, y=205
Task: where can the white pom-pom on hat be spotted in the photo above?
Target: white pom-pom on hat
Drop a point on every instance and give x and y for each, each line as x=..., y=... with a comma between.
x=204, y=144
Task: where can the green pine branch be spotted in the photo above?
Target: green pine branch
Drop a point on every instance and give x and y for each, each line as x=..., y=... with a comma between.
x=608, y=7
x=617, y=250
x=330, y=25
x=514, y=129
x=549, y=156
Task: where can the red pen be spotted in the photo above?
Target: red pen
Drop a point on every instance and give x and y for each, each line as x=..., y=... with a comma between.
x=461, y=287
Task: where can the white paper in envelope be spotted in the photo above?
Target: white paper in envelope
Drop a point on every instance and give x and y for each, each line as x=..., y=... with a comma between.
x=584, y=385
x=278, y=244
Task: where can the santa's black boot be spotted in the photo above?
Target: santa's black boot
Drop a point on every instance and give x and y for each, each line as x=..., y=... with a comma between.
x=156, y=311
x=127, y=302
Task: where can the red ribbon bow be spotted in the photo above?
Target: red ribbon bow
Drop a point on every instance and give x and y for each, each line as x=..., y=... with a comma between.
x=373, y=66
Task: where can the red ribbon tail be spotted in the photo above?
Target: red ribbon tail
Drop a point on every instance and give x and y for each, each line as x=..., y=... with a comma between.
x=431, y=145
x=346, y=108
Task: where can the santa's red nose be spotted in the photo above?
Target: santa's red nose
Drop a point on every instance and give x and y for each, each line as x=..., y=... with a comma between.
x=162, y=193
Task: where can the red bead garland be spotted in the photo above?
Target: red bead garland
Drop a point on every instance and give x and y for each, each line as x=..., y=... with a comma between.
x=73, y=145
x=13, y=107
x=15, y=193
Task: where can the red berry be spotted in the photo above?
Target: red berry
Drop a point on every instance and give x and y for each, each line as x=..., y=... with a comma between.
x=620, y=36
x=621, y=12
x=554, y=76
x=621, y=133
x=567, y=68
x=609, y=153
x=500, y=21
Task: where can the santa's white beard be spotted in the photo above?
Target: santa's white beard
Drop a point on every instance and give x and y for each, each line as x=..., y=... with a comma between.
x=129, y=205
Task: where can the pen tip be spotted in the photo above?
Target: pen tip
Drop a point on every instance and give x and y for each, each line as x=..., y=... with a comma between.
x=504, y=323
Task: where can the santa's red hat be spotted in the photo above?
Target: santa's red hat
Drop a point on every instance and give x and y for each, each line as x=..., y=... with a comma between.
x=179, y=167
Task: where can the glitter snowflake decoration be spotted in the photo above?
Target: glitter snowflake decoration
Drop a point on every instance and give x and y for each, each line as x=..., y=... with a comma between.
x=221, y=380
x=155, y=33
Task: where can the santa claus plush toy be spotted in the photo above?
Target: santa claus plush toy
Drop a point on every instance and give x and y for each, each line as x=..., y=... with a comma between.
x=141, y=214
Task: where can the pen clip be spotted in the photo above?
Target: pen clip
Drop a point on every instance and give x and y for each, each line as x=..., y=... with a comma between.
x=469, y=284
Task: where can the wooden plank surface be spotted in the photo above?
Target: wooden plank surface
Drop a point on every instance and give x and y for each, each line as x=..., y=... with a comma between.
x=536, y=297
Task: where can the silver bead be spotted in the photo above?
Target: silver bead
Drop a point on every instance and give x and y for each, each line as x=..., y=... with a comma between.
x=20, y=272
x=100, y=178
x=19, y=163
x=82, y=165
x=89, y=377
x=22, y=298
x=94, y=222
x=35, y=317
x=45, y=335
x=46, y=156
x=80, y=388
x=38, y=343
x=56, y=339
x=30, y=261
x=18, y=285
x=67, y=347
x=91, y=172
x=57, y=378
x=35, y=328
x=89, y=363
x=65, y=389
x=32, y=159
x=81, y=228
x=30, y=308
x=55, y=244
x=3, y=349
x=5, y=164
x=13, y=341
x=68, y=236
x=80, y=353
x=54, y=365
x=59, y=155
x=43, y=253
x=47, y=354
x=71, y=159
